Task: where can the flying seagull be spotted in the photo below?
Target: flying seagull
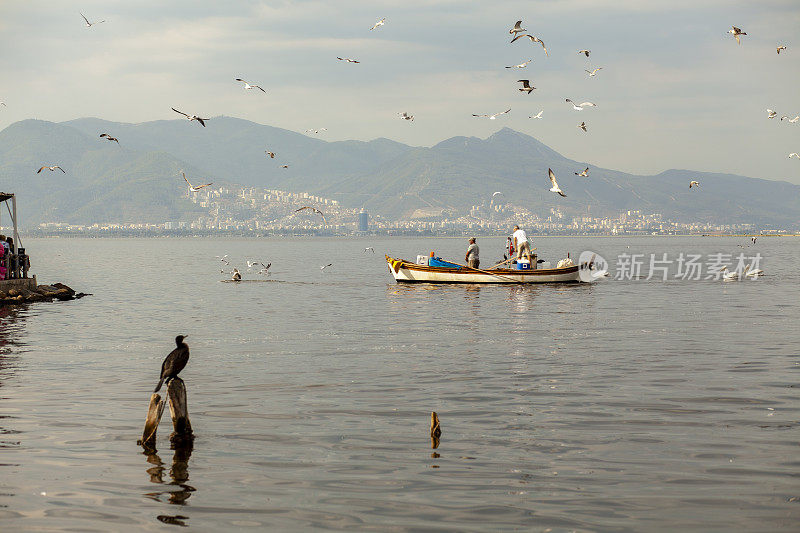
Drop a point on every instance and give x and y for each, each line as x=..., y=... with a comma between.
x=781, y=47
x=517, y=28
x=316, y=131
x=526, y=86
x=264, y=268
x=3, y=104
x=521, y=65
x=582, y=126
x=593, y=72
x=379, y=23
x=791, y=120
x=90, y=24
x=580, y=106
x=192, y=117
x=348, y=60
x=537, y=115
x=794, y=154
x=736, y=33
x=284, y=166
x=249, y=86
x=192, y=187
x=771, y=113
x=495, y=193
x=270, y=154
x=109, y=137
x=753, y=239
x=555, y=188
x=694, y=183
x=314, y=209
x=51, y=169
x=368, y=249
x=406, y=116
x=586, y=52
x=533, y=40
x=323, y=267
x=492, y=117
x=585, y=173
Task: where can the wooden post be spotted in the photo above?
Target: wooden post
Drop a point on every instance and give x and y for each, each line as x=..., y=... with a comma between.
x=154, y=412
x=436, y=430
x=178, y=408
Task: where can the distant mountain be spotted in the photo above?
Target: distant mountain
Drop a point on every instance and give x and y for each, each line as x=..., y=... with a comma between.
x=138, y=180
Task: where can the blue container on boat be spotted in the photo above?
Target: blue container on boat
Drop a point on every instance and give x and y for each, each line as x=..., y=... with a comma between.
x=523, y=265
x=437, y=262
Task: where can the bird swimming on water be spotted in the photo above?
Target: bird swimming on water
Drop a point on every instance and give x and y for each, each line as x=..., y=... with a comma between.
x=174, y=363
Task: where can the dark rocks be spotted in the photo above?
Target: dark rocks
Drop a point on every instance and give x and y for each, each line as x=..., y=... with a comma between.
x=42, y=293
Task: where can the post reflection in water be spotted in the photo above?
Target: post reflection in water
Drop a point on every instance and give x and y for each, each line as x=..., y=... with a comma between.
x=179, y=476
x=12, y=320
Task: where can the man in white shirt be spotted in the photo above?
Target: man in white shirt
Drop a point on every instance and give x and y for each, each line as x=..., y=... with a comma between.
x=472, y=258
x=521, y=243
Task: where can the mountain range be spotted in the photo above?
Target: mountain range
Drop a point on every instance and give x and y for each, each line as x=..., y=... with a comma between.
x=138, y=180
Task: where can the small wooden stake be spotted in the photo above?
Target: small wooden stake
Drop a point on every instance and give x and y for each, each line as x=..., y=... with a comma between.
x=178, y=408
x=154, y=412
x=436, y=430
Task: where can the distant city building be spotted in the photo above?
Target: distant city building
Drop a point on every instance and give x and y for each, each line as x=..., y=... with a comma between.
x=363, y=221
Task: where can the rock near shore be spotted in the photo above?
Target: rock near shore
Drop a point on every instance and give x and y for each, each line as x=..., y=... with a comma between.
x=42, y=293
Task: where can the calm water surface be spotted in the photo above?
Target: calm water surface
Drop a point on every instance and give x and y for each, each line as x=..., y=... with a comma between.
x=629, y=405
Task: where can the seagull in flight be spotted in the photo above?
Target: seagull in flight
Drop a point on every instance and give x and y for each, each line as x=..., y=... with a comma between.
x=192, y=117
x=316, y=131
x=580, y=106
x=555, y=188
x=492, y=117
x=794, y=154
x=586, y=52
x=368, y=249
x=537, y=115
x=694, y=183
x=249, y=86
x=323, y=267
x=582, y=126
x=533, y=40
x=781, y=47
x=771, y=113
x=406, y=116
x=585, y=173
x=90, y=24
x=379, y=23
x=791, y=120
x=753, y=239
x=284, y=166
x=593, y=72
x=224, y=259
x=51, y=169
x=736, y=33
x=517, y=28
x=109, y=137
x=264, y=268
x=526, y=86
x=348, y=60
x=495, y=193
x=521, y=65
x=314, y=209
x=192, y=187
x=270, y=154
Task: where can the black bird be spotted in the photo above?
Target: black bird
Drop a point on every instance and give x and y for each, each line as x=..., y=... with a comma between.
x=175, y=362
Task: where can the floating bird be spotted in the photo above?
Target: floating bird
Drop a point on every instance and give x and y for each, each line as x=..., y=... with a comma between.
x=492, y=117
x=555, y=188
x=781, y=47
x=270, y=154
x=736, y=33
x=406, y=116
x=585, y=52
x=348, y=60
x=90, y=24
x=379, y=23
x=794, y=154
x=109, y=137
x=517, y=28
x=580, y=106
x=369, y=249
x=771, y=113
x=728, y=276
x=533, y=40
x=314, y=209
x=694, y=183
x=755, y=273
x=192, y=117
x=192, y=187
x=174, y=363
x=284, y=166
x=51, y=169
x=585, y=173
x=538, y=115
x=316, y=131
x=521, y=65
x=593, y=72
x=251, y=264
x=526, y=86
x=323, y=267
x=249, y=86
x=582, y=126
x=793, y=120
x=237, y=276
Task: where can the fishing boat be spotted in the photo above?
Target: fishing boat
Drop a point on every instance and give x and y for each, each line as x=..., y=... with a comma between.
x=410, y=272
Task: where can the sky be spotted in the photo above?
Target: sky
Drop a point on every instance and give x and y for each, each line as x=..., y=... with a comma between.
x=675, y=91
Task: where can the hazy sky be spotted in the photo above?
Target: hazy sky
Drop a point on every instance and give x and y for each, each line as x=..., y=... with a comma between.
x=675, y=90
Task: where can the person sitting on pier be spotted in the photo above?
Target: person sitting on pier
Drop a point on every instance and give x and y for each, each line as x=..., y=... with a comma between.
x=4, y=258
x=472, y=258
x=521, y=243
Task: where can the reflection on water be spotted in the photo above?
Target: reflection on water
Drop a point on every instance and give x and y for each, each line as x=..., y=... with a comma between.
x=176, y=489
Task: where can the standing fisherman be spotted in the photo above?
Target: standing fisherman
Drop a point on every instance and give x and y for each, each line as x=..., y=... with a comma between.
x=472, y=258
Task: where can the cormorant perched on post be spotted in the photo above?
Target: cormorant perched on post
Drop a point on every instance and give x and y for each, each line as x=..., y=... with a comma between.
x=175, y=362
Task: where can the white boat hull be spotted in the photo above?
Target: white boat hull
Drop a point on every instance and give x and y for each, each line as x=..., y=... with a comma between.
x=406, y=272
